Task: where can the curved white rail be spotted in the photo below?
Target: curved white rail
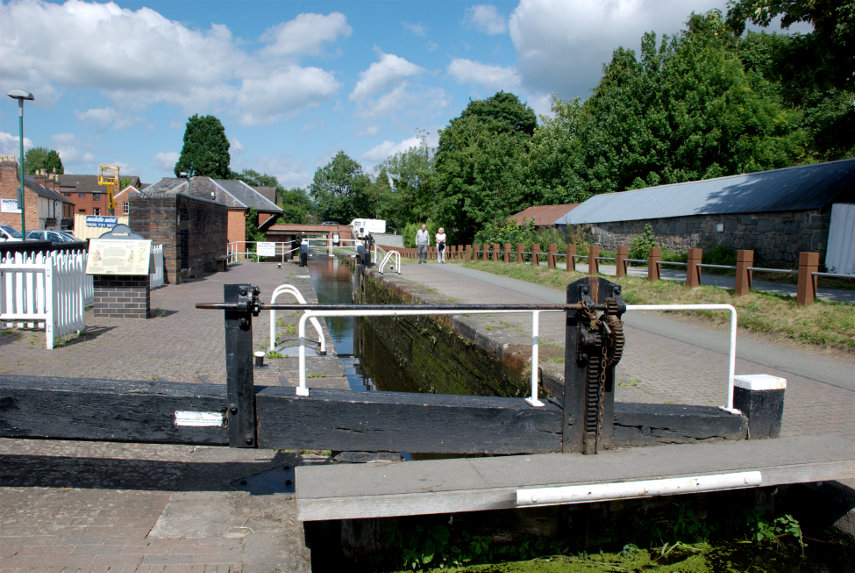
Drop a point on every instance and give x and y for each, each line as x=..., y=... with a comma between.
x=290, y=289
x=396, y=265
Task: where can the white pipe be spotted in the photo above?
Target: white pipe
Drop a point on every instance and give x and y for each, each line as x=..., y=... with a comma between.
x=634, y=489
x=396, y=264
x=728, y=407
x=535, y=327
x=281, y=289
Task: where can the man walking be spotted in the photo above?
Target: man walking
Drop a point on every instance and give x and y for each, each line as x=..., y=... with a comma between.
x=422, y=242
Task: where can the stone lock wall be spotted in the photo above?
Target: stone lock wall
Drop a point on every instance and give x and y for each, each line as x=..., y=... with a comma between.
x=776, y=238
x=191, y=230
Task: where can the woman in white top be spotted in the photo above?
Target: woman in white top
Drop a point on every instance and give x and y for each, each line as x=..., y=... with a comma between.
x=440, y=245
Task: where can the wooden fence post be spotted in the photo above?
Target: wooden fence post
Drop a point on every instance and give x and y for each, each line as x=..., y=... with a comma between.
x=808, y=264
x=620, y=261
x=476, y=252
x=550, y=255
x=520, y=249
x=570, y=259
x=535, y=252
x=744, y=260
x=693, y=271
x=495, y=252
x=468, y=254
x=654, y=255
x=593, y=263
x=507, y=252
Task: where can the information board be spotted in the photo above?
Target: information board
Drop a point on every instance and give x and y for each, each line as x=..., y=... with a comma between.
x=118, y=257
x=266, y=249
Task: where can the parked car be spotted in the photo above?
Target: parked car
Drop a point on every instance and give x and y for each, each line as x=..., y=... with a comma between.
x=52, y=236
x=8, y=233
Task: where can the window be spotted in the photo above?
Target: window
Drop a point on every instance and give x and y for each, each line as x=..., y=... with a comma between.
x=96, y=211
x=126, y=208
x=81, y=195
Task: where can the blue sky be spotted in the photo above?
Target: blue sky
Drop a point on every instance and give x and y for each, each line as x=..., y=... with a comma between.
x=293, y=82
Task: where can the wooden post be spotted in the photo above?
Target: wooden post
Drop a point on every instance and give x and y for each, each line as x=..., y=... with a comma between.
x=496, y=252
x=507, y=252
x=535, y=255
x=744, y=260
x=468, y=256
x=476, y=251
x=239, y=369
x=550, y=255
x=593, y=263
x=520, y=249
x=486, y=256
x=570, y=264
x=808, y=264
x=693, y=271
x=654, y=255
x=620, y=261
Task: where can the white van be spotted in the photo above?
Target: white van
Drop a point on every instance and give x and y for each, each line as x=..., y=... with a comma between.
x=362, y=227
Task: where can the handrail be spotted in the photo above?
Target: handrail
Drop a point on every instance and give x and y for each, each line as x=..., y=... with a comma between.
x=290, y=289
x=411, y=310
x=395, y=265
x=728, y=407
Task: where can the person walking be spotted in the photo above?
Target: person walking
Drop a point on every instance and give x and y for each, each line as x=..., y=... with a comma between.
x=440, y=245
x=422, y=242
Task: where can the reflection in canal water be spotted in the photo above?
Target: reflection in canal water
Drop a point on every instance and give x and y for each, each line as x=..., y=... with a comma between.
x=331, y=279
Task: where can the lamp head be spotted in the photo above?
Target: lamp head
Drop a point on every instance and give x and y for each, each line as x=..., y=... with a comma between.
x=20, y=95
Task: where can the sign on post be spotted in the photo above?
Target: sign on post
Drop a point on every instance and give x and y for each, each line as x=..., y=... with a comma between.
x=111, y=257
x=265, y=249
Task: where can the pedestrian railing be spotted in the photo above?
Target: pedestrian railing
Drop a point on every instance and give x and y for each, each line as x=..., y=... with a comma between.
x=396, y=262
x=535, y=310
x=49, y=291
x=292, y=290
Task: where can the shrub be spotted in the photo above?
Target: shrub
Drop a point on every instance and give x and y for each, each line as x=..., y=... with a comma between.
x=641, y=244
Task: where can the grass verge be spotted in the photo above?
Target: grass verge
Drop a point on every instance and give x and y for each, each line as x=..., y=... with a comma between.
x=822, y=324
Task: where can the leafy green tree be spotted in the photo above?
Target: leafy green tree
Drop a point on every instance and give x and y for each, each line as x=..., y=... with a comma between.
x=407, y=180
x=340, y=189
x=37, y=158
x=295, y=204
x=480, y=166
x=255, y=179
x=206, y=149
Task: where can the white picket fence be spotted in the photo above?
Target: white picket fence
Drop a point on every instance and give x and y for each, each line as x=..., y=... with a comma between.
x=46, y=291
x=156, y=275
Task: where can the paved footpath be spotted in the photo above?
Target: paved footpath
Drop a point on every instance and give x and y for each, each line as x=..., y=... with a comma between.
x=86, y=506
x=96, y=506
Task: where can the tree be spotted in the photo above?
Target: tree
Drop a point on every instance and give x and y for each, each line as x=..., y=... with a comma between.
x=480, y=165
x=404, y=185
x=295, y=204
x=206, y=149
x=340, y=189
x=38, y=158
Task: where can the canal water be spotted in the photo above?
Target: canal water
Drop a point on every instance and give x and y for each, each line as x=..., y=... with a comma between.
x=332, y=280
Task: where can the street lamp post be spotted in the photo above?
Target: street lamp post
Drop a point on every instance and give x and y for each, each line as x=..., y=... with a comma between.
x=21, y=95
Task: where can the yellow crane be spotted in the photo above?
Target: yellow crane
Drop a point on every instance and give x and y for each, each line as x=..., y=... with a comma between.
x=109, y=178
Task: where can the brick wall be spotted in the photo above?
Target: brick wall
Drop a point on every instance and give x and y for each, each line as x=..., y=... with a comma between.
x=191, y=230
x=237, y=225
x=121, y=296
x=10, y=184
x=776, y=238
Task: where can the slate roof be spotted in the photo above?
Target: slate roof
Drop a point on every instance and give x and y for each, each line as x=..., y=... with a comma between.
x=801, y=188
x=230, y=192
x=544, y=215
x=87, y=183
x=46, y=192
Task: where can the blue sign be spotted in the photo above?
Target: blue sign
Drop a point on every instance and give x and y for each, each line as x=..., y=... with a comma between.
x=101, y=221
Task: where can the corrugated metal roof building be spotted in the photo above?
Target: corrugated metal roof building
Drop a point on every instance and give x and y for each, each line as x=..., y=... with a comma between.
x=777, y=213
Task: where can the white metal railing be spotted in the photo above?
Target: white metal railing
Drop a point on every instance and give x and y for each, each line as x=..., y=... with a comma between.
x=732, y=354
x=44, y=291
x=290, y=289
x=396, y=264
x=303, y=390
x=329, y=245
x=240, y=249
x=155, y=278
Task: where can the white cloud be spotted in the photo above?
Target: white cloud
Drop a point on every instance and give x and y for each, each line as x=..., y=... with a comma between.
x=166, y=160
x=9, y=144
x=493, y=77
x=305, y=34
x=379, y=76
x=416, y=29
x=283, y=93
x=486, y=18
x=102, y=118
x=389, y=148
x=562, y=44
x=288, y=171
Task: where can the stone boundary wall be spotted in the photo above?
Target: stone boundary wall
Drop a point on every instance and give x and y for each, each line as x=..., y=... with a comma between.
x=121, y=296
x=776, y=238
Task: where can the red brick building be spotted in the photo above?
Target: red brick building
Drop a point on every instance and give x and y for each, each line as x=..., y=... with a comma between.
x=90, y=198
x=44, y=206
